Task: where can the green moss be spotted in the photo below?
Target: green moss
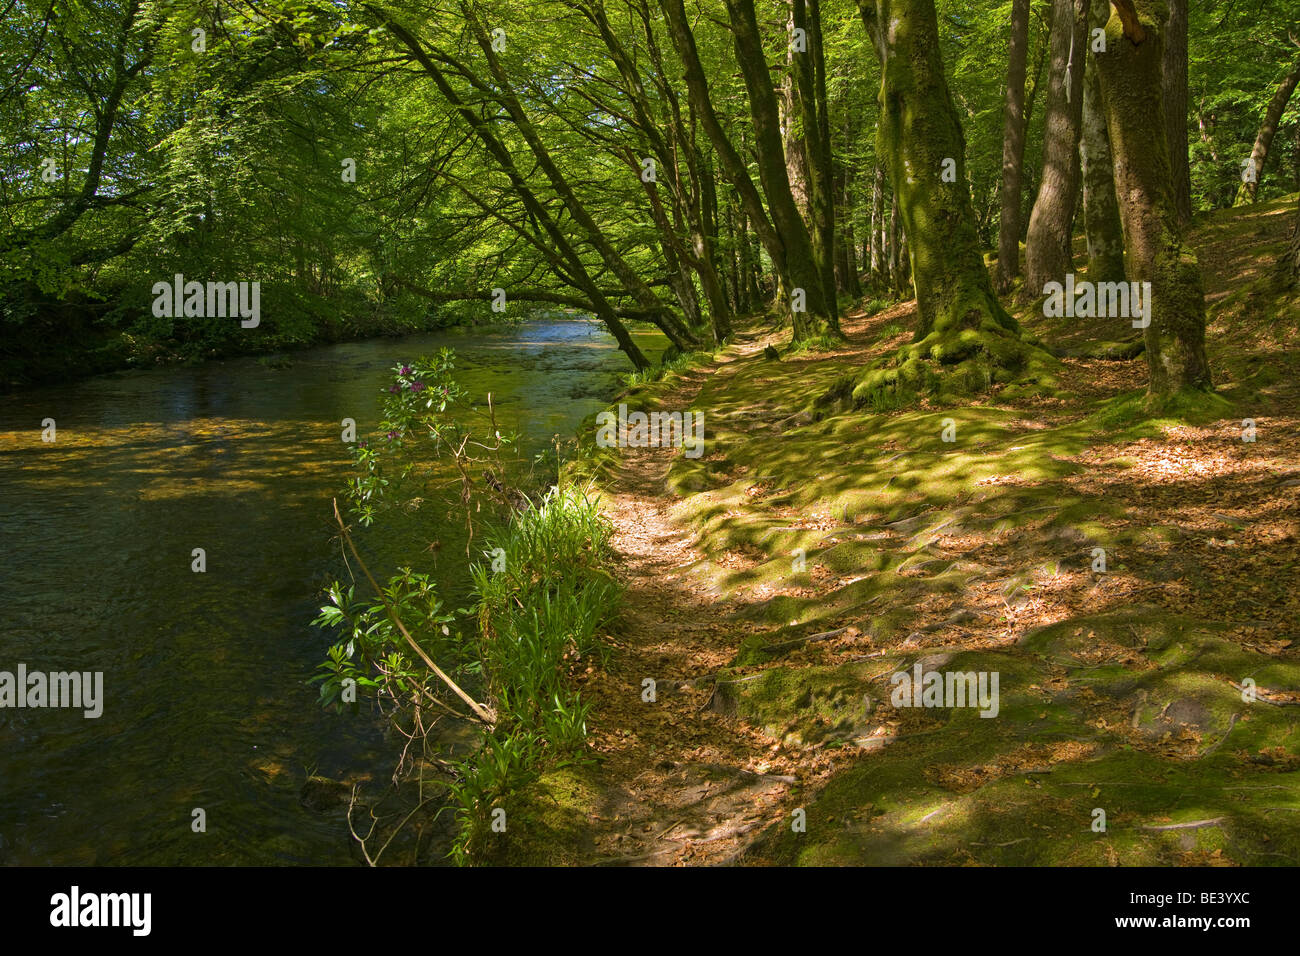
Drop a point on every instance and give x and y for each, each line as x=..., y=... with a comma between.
x=1126, y=709
x=549, y=822
x=801, y=706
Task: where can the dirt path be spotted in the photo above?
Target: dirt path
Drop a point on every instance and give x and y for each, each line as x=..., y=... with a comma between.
x=683, y=783
x=1118, y=684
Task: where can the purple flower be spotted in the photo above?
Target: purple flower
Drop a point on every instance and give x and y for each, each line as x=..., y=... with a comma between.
x=406, y=370
x=363, y=444
x=394, y=389
x=417, y=386
x=394, y=435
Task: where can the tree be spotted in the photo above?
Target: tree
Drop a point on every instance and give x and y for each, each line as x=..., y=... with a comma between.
x=672, y=166
x=1105, y=234
x=785, y=235
x=689, y=179
x=1013, y=147
x=99, y=83
x=1130, y=69
x=1047, y=243
x=809, y=70
x=803, y=259
x=1254, y=169
x=1175, y=80
x=965, y=341
x=566, y=255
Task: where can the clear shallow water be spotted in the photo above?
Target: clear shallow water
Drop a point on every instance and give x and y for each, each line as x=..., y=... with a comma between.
x=205, y=700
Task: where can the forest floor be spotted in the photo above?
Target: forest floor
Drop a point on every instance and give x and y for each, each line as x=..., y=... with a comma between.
x=776, y=584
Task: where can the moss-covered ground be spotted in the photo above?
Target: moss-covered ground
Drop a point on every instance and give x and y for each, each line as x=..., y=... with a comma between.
x=1131, y=580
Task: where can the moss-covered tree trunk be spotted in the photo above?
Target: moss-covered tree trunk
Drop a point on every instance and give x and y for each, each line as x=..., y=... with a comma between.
x=792, y=133
x=1130, y=71
x=1175, y=79
x=1264, y=139
x=1013, y=148
x=1047, y=243
x=965, y=340
x=878, y=260
x=1104, y=232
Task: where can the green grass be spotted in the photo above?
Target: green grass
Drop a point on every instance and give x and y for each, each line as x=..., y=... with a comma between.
x=658, y=372
x=543, y=594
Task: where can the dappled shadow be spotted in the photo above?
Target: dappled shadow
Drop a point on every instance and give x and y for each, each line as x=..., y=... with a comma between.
x=827, y=555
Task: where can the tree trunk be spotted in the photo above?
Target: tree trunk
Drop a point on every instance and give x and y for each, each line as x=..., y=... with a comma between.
x=704, y=238
x=734, y=166
x=792, y=133
x=1013, y=148
x=1175, y=80
x=852, y=268
x=810, y=77
x=965, y=340
x=903, y=277
x=564, y=254
x=784, y=236
x=1100, y=208
x=877, y=229
x=843, y=248
x=748, y=284
x=1130, y=71
x=1267, y=130
x=819, y=316
x=1047, y=244
x=849, y=247
x=895, y=272
x=731, y=275
x=1288, y=267
x=674, y=253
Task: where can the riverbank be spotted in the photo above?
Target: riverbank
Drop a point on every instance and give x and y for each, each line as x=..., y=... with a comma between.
x=776, y=586
x=241, y=460
x=84, y=347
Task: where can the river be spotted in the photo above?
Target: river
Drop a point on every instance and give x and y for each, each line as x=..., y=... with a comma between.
x=205, y=700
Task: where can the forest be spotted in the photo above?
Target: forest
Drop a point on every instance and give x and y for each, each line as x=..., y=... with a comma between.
x=668, y=432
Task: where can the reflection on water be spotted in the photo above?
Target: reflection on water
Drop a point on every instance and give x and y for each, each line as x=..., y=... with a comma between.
x=205, y=701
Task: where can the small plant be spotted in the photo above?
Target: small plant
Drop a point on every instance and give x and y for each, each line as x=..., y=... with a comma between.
x=426, y=422
x=818, y=343
x=372, y=652
x=656, y=372
x=504, y=765
x=544, y=607
x=541, y=597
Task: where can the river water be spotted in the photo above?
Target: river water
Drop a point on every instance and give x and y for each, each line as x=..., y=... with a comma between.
x=205, y=700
